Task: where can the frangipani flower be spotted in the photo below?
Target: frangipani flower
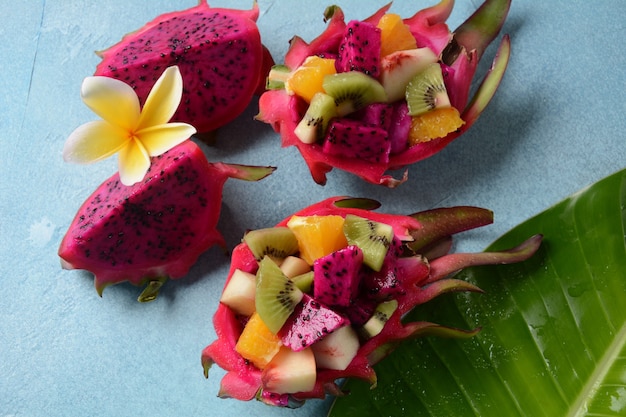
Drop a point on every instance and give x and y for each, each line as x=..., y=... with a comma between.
x=137, y=134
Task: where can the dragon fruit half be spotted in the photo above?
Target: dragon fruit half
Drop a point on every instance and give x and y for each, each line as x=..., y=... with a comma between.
x=360, y=46
x=156, y=228
x=327, y=338
x=218, y=51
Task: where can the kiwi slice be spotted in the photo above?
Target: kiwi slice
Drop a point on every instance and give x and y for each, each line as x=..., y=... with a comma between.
x=313, y=125
x=276, y=295
x=427, y=91
x=275, y=242
x=304, y=281
x=372, y=237
x=277, y=76
x=353, y=90
x=377, y=322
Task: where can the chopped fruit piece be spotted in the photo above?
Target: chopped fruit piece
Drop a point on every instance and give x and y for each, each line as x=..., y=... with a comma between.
x=399, y=68
x=239, y=293
x=276, y=295
x=359, y=50
x=257, y=343
x=313, y=125
x=427, y=91
x=436, y=123
x=336, y=350
x=372, y=237
x=275, y=242
x=290, y=372
x=378, y=320
x=318, y=235
x=353, y=90
x=293, y=266
x=310, y=322
x=307, y=79
x=395, y=35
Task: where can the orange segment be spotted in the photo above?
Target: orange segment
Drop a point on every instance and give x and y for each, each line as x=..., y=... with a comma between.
x=395, y=35
x=436, y=123
x=257, y=343
x=318, y=235
x=307, y=79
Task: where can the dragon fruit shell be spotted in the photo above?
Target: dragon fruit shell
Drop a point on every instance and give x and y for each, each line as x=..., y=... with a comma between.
x=156, y=228
x=218, y=51
x=243, y=381
x=460, y=59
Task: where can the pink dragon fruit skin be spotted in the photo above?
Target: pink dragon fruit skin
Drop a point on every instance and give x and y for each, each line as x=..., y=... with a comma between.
x=459, y=52
x=422, y=281
x=218, y=51
x=155, y=229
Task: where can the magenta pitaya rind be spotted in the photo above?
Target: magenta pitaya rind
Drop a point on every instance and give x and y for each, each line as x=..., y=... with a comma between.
x=459, y=57
x=155, y=229
x=227, y=68
x=243, y=381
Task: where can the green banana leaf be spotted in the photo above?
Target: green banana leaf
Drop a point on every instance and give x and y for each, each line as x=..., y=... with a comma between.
x=553, y=339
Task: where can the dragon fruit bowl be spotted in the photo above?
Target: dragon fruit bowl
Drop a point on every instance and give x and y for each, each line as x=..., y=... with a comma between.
x=398, y=114
x=321, y=296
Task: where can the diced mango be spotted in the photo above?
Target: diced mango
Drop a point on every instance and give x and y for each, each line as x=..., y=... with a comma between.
x=257, y=343
x=318, y=235
x=434, y=124
x=307, y=79
x=395, y=35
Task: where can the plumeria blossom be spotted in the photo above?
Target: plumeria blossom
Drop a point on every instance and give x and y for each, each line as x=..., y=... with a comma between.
x=136, y=133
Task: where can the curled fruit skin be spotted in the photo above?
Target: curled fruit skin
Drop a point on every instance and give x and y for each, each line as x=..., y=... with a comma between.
x=426, y=234
x=459, y=53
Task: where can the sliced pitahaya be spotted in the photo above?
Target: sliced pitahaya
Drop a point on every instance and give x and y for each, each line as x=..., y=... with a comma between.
x=336, y=276
x=355, y=139
x=218, y=51
x=359, y=50
x=419, y=282
x=310, y=322
x=459, y=53
x=155, y=229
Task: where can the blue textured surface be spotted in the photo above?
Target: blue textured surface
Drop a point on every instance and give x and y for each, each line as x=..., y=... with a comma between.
x=556, y=125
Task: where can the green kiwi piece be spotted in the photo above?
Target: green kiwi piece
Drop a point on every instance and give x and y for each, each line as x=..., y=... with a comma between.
x=304, y=281
x=276, y=295
x=427, y=91
x=275, y=242
x=277, y=76
x=313, y=125
x=353, y=90
x=377, y=322
x=373, y=238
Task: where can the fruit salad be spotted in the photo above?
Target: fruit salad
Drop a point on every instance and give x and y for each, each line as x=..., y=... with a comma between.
x=379, y=94
x=321, y=295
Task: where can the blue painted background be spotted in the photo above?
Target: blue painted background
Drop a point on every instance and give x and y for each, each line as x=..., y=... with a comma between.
x=556, y=125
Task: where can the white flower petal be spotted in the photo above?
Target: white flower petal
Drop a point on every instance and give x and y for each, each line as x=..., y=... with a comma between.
x=93, y=141
x=163, y=99
x=134, y=162
x=113, y=100
x=160, y=139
